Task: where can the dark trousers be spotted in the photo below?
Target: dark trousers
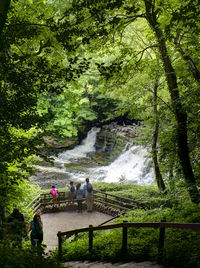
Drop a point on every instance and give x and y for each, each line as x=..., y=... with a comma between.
x=36, y=240
x=79, y=205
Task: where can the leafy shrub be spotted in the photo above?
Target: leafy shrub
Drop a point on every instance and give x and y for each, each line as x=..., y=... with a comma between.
x=25, y=258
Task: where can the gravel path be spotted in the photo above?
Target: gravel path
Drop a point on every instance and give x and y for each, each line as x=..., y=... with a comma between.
x=66, y=221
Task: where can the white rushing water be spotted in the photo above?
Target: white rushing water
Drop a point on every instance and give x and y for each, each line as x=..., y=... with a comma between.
x=80, y=151
x=133, y=165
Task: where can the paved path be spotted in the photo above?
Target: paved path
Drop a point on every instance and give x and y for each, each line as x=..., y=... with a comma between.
x=66, y=221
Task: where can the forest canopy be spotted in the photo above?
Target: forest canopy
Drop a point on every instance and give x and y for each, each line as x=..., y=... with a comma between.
x=67, y=64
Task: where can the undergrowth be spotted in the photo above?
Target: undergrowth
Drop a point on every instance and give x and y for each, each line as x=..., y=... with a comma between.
x=13, y=257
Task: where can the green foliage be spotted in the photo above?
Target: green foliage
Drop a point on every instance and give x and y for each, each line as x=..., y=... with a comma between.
x=20, y=195
x=26, y=258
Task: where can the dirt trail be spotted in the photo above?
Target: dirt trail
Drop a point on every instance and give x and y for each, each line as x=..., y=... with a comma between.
x=66, y=221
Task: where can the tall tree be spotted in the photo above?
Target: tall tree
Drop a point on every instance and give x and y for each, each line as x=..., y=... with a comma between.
x=158, y=176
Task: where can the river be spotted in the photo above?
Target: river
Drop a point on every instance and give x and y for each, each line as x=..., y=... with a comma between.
x=132, y=165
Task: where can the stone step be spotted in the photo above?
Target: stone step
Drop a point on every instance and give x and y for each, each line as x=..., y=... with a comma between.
x=88, y=264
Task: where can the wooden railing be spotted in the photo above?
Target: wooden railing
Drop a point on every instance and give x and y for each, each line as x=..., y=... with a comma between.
x=116, y=203
x=125, y=225
x=35, y=204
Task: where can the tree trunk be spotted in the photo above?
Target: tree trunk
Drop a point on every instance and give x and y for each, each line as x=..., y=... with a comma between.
x=180, y=114
x=4, y=5
x=158, y=176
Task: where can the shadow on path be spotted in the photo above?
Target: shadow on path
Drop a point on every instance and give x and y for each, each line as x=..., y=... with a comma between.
x=66, y=221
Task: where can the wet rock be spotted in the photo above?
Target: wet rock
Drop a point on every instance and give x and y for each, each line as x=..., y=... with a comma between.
x=67, y=143
x=111, y=140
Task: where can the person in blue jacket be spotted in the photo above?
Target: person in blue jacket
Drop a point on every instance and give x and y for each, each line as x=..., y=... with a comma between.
x=79, y=196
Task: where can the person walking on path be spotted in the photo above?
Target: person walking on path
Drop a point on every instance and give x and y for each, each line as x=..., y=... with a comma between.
x=88, y=190
x=79, y=196
x=71, y=193
x=54, y=193
x=36, y=228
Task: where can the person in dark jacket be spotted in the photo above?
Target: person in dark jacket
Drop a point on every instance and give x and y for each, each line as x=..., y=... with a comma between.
x=16, y=227
x=71, y=193
x=88, y=189
x=36, y=228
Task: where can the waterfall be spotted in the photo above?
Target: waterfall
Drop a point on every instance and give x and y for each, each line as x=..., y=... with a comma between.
x=80, y=151
x=133, y=165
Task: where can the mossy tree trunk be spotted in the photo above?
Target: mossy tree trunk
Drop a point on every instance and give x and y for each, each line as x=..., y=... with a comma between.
x=158, y=176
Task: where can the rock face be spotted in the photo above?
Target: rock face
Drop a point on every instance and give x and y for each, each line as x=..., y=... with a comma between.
x=67, y=143
x=111, y=140
x=126, y=131
x=112, y=132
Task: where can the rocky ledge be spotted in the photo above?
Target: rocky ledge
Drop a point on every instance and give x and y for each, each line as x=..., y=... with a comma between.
x=126, y=131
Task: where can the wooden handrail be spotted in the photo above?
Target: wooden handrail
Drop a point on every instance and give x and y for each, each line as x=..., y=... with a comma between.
x=192, y=226
x=113, y=200
x=33, y=201
x=46, y=197
x=110, y=204
x=119, y=197
x=125, y=225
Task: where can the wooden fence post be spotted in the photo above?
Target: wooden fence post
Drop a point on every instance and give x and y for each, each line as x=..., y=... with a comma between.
x=161, y=241
x=59, y=245
x=124, y=240
x=90, y=238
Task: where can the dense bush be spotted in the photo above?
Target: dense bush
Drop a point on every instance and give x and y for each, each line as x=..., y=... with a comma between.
x=25, y=258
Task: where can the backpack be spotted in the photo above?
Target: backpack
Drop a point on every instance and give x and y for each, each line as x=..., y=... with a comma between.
x=89, y=187
x=72, y=189
x=54, y=192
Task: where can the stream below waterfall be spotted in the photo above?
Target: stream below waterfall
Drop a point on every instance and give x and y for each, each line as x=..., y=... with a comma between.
x=132, y=165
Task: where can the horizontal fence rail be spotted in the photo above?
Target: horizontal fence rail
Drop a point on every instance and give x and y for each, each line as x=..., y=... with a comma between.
x=35, y=204
x=105, y=202
x=125, y=225
x=116, y=199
